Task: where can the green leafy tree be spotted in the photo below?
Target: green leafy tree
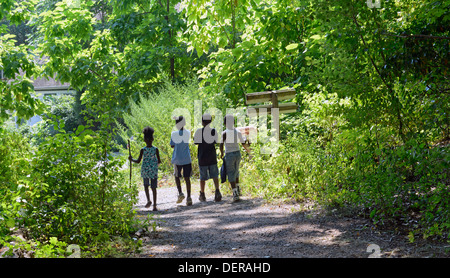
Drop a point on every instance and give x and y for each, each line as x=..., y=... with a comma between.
x=17, y=66
x=149, y=34
x=364, y=55
x=251, y=45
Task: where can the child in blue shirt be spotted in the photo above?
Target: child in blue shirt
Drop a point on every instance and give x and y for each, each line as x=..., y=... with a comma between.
x=181, y=158
x=149, y=170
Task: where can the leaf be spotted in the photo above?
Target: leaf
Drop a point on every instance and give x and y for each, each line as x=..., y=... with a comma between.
x=237, y=52
x=79, y=129
x=292, y=46
x=53, y=240
x=199, y=51
x=10, y=223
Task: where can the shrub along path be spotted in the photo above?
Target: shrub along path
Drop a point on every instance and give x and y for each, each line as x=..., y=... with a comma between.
x=253, y=228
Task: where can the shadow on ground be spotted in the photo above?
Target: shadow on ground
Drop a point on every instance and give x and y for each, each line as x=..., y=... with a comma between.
x=250, y=229
x=253, y=228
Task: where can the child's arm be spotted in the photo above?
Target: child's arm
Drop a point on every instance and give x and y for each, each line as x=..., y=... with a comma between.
x=198, y=136
x=244, y=145
x=139, y=159
x=224, y=137
x=172, y=143
x=157, y=155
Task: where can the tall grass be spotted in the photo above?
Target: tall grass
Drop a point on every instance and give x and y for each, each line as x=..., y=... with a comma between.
x=157, y=110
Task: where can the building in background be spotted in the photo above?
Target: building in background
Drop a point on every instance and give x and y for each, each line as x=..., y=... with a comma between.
x=44, y=87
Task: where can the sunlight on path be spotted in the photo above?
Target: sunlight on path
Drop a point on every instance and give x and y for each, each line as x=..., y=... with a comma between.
x=249, y=228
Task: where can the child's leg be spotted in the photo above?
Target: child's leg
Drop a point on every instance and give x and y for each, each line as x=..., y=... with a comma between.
x=154, y=186
x=188, y=189
x=177, y=175
x=154, y=198
x=203, y=177
x=217, y=194
x=214, y=174
x=187, y=171
x=216, y=183
x=202, y=186
x=233, y=184
x=180, y=191
x=237, y=163
x=147, y=194
x=188, y=186
x=231, y=169
x=178, y=183
x=202, y=197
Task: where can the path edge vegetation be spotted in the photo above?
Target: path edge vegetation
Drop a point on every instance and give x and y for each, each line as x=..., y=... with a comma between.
x=371, y=134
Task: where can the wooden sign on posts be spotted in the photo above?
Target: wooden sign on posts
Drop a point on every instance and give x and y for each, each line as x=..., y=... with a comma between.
x=274, y=97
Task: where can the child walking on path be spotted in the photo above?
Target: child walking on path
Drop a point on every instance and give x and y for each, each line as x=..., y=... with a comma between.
x=206, y=138
x=231, y=138
x=149, y=170
x=181, y=158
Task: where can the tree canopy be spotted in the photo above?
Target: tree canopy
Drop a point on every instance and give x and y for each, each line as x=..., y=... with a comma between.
x=389, y=63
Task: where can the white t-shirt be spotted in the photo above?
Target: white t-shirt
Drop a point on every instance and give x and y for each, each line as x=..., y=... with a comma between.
x=232, y=140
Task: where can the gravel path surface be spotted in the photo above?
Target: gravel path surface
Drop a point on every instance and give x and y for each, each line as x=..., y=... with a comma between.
x=253, y=228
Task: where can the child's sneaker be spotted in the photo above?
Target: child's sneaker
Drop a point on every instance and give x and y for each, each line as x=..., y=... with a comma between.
x=180, y=198
x=235, y=195
x=217, y=196
x=202, y=197
x=188, y=201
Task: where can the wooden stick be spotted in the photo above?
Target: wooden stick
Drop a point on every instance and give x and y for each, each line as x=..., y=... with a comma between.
x=129, y=152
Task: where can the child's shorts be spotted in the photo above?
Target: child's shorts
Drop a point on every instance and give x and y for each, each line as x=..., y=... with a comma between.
x=154, y=183
x=187, y=170
x=232, y=161
x=209, y=172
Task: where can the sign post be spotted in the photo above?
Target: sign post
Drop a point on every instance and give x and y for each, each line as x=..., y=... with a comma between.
x=274, y=97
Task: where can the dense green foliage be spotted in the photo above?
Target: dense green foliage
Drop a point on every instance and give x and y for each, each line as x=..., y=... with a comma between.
x=370, y=135
x=402, y=185
x=18, y=93
x=64, y=189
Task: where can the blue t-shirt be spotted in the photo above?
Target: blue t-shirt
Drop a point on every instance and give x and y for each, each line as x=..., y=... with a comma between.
x=181, y=154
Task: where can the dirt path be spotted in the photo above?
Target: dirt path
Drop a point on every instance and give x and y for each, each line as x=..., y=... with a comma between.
x=253, y=228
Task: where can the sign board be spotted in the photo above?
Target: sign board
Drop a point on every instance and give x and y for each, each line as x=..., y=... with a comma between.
x=274, y=97
x=266, y=96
